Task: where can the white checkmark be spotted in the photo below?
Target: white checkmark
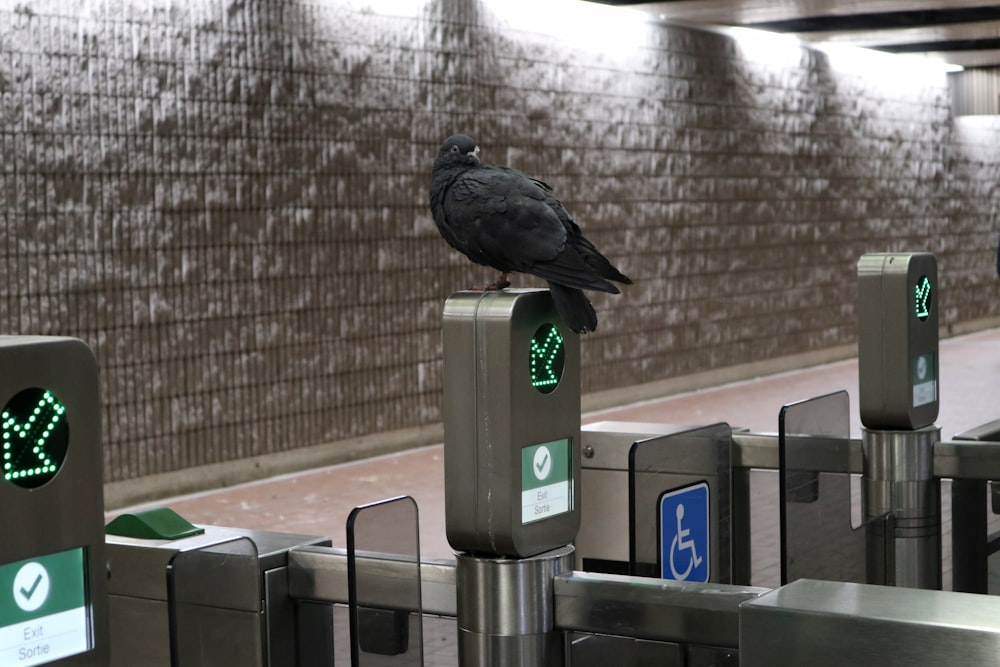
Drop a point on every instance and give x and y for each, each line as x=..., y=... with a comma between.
x=31, y=586
x=542, y=462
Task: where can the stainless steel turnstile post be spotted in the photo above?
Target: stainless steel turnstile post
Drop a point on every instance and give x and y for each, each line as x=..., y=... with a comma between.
x=898, y=478
x=506, y=609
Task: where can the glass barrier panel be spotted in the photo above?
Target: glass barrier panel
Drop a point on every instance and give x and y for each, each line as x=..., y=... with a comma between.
x=385, y=634
x=680, y=517
x=818, y=540
x=215, y=606
x=975, y=506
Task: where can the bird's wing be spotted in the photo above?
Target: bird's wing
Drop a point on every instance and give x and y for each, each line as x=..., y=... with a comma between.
x=502, y=216
x=575, y=239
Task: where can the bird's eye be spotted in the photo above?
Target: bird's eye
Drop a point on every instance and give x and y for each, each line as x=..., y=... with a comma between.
x=454, y=148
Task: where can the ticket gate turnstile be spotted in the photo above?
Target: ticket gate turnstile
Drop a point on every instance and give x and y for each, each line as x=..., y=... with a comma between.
x=221, y=596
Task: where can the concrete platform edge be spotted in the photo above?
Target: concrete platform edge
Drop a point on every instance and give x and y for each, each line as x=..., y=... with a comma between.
x=230, y=473
x=969, y=327
x=612, y=398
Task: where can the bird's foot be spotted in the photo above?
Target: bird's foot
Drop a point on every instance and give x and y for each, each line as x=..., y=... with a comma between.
x=499, y=284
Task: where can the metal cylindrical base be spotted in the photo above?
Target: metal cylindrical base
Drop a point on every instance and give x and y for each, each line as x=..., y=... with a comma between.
x=475, y=648
x=506, y=611
x=898, y=479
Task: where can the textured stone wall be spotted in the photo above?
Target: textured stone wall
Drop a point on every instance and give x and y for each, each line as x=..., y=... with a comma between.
x=227, y=201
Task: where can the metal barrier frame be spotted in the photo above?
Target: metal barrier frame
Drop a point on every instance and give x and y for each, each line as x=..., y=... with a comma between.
x=636, y=607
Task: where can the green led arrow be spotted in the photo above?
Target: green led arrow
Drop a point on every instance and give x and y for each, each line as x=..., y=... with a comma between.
x=923, y=298
x=547, y=356
x=34, y=436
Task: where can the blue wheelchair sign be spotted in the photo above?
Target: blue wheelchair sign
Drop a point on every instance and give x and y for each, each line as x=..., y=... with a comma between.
x=684, y=536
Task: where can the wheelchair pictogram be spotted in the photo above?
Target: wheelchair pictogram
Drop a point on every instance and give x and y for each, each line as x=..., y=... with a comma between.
x=684, y=534
x=681, y=542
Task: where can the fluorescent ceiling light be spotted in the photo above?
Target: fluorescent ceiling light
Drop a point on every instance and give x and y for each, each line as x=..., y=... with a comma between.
x=770, y=47
x=616, y=31
x=862, y=61
x=779, y=48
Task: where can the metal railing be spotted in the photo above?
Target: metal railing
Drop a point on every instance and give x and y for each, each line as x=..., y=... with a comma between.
x=636, y=607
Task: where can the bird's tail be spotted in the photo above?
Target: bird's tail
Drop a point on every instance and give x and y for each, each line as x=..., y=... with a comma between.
x=598, y=263
x=574, y=307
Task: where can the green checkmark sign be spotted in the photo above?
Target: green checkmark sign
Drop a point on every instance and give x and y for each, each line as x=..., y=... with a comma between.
x=40, y=586
x=545, y=464
x=28, y=592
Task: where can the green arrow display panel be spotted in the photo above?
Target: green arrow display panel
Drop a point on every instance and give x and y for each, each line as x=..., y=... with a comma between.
x=35, y=436
x=922, y=298
x=547, y=358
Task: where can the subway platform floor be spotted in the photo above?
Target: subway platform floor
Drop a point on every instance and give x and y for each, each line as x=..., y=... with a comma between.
x=317, y=502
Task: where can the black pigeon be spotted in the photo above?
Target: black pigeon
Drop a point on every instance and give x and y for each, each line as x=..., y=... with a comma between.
x=503, y=218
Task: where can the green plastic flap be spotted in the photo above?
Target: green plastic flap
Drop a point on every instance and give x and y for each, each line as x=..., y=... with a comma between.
x=157, y=523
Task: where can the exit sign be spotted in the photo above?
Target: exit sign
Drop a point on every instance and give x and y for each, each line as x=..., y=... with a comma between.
x=546, y=488
x=43, y=609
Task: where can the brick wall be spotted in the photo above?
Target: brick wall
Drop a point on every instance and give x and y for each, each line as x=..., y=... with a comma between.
x=227, y=201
